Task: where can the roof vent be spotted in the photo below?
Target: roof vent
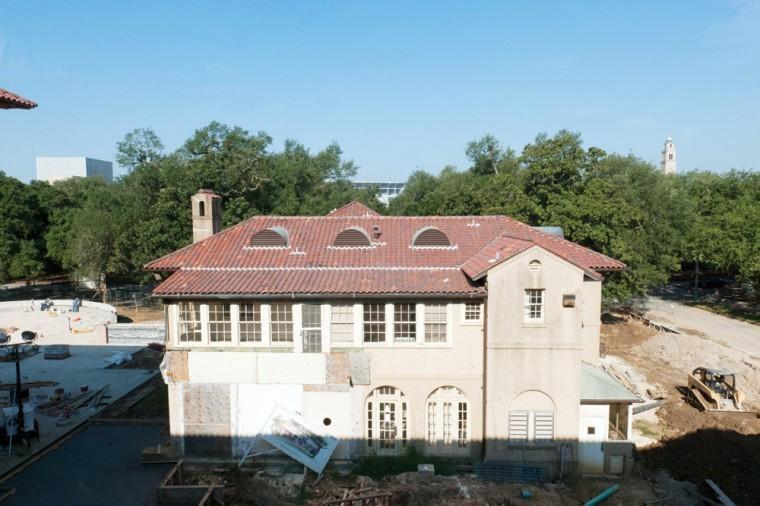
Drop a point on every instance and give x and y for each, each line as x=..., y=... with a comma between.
x=352, y=237
x=275, y=237
x=430, y=237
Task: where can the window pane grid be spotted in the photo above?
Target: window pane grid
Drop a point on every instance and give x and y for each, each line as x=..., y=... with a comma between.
x=282, y=323
x=190, y=322
x=249, y=325
x=374, y=323
x=405, y=322
x=534, y=305
x=342, y=324
x=462, y=426
x=435, y=323
x=219, y=323
x=472, y=311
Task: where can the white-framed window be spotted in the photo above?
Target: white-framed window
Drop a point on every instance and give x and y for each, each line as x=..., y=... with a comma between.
x=435, y=323
x=249, y=325
x=219, y=322
x=448, y=421
x=405, y=322
x=534, y=305
x=190, y=322
x=473, y=312
x=342, y=323
x=387, y=420
x=374, y=322
x=281, y=322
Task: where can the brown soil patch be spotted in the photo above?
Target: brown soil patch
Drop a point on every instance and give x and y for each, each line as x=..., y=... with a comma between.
x=127, y=314
x=145, y=358
x=693, y=445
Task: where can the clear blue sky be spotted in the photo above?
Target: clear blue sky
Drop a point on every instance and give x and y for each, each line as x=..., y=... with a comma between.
x=399, y=85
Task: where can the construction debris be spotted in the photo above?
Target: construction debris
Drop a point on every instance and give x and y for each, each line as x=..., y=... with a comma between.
x=57, y=352
x=67, y=408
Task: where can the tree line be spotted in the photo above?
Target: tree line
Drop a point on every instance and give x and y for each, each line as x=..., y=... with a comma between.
x=619, y=205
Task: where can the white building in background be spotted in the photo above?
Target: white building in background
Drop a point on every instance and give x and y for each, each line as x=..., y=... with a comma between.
x=388, y=190
x=668, y=162
x=58, y=168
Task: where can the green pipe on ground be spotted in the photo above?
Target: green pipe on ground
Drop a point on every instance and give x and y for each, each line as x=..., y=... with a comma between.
x=601, y=497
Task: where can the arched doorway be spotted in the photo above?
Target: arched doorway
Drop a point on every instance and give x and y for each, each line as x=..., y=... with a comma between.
x=448, y=422
x=386, y=420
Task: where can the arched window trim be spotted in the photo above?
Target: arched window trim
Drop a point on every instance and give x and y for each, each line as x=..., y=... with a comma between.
x=422, y=230
x=280, y=231
x=528, y=425
x=363, y=232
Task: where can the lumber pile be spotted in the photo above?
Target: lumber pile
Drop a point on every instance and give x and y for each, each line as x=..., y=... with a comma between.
x=69, y=407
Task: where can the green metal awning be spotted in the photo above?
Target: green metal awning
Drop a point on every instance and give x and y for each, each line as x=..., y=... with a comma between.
x=598, y=387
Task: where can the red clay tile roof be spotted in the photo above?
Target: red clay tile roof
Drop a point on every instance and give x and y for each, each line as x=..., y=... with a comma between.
x=226, y=264
x=10, y=100
x=353, y=209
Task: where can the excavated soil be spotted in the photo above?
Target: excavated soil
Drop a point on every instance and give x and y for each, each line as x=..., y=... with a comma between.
x=693, y=445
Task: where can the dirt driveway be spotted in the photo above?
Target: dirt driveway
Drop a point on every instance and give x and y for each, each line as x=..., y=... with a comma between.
x=735, y=334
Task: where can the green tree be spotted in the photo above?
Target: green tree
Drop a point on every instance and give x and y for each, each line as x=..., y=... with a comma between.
x=140, y=146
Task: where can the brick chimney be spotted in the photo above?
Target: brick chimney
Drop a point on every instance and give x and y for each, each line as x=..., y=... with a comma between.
x=207, y=214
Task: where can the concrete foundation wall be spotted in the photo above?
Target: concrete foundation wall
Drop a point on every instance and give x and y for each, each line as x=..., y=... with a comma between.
x=135, y=334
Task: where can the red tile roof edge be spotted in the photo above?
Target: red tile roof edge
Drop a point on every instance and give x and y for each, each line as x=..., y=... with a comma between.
x=18, y=100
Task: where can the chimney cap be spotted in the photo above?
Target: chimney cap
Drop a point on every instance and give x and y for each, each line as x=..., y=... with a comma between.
x=206, y=191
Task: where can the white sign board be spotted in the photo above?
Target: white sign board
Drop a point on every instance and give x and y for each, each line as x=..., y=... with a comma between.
x=292, y=434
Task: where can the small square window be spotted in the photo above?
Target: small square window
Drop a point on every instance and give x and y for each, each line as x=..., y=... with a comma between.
x=591, y=430
x=472, y=311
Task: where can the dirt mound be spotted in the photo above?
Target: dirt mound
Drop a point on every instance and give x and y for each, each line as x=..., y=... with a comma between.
x=727, y=457
x=693, y=445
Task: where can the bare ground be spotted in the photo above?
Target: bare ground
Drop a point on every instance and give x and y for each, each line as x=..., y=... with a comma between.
x=691, y=444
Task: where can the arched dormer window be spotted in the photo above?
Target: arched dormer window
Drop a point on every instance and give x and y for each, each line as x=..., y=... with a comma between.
x=275, y=237
x=430, y=237
x=201, y=209
x=352, y=237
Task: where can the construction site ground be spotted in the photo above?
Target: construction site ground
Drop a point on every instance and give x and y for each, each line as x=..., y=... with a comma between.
x=86, y=367
x=691, y=445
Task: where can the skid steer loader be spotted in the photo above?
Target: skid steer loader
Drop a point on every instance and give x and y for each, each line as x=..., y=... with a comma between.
x=715, y=390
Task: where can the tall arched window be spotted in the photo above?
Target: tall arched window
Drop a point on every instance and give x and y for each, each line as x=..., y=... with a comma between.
x=386, y=421
x=201, y=209
x=448, y=422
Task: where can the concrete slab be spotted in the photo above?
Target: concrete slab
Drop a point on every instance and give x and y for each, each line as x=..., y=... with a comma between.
x=84, y=367
x=100, y=465
x=86, y=327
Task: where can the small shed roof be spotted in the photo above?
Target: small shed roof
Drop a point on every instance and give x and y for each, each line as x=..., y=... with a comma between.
x=598, y=387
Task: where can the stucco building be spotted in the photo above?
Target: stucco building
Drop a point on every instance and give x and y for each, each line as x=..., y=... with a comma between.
x=464, y=336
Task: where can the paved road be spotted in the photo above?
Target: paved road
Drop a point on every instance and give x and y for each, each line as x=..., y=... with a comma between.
x=98, y=466
x=735, y=334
